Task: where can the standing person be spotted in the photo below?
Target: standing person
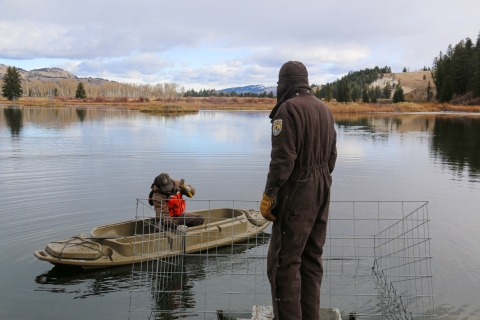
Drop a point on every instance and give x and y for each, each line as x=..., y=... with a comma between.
x=297, y=194
x=167, y=198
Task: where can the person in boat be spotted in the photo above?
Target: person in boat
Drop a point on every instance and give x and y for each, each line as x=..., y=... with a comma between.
x=166, y=197
x=297, y=194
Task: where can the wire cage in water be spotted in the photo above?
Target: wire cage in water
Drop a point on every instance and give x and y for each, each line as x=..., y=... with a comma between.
x=376, y=260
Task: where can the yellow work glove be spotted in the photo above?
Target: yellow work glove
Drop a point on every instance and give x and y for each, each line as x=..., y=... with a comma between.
x=186, y=189
x=266, y=208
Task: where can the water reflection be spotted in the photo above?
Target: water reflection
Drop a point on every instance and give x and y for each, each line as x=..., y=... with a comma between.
x=386, y=123
x=14, y=119
x=81, y=114
x=369, y=124
x=84, y=284
x=456, y=141
x=165, y=297
x=125, y=148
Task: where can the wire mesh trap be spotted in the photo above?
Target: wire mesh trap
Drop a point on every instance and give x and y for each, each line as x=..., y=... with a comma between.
x=377, y=263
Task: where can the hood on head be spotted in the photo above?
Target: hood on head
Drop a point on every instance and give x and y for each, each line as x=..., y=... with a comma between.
x=291, y=73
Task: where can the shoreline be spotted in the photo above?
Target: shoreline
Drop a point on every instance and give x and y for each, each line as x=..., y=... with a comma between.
x=185, y=105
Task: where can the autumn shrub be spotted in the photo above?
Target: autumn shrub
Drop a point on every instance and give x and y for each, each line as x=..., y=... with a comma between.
x=222, y=100
x=100, y=99
x=121, y=99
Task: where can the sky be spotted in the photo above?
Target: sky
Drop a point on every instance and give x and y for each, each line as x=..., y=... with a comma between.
x=226, y=43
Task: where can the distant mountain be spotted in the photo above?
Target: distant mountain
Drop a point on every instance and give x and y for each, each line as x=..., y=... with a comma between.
x=49, y=74
x=43, y=74
x=258, y=88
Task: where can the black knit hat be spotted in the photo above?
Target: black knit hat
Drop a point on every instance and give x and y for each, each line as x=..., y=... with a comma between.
x=163, y=182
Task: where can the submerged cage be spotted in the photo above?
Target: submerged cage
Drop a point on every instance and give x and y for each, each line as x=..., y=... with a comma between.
x=377, y=263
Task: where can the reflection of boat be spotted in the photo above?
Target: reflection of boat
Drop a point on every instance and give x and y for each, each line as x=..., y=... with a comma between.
x=136, y=240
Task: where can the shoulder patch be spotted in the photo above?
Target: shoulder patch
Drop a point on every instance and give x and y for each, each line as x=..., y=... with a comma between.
x=277, y=127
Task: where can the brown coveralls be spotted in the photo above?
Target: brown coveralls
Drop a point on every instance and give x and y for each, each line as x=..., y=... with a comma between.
x=302, y=159
x=159, y=200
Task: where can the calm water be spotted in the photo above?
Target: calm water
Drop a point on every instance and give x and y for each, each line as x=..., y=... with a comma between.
x=64, y=172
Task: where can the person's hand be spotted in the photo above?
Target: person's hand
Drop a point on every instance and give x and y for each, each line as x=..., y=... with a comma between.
x=266, y=208
x=185, y=189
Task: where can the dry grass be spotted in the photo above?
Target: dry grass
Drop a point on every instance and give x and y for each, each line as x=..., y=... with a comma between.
x=353, y=107
x=191, y=105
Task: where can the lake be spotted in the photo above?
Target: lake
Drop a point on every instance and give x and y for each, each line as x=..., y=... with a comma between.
x=65, y=171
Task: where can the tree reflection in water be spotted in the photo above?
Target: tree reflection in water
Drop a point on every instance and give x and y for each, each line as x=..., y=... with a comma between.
x=14, y=119
x=456, y=141
x=81, y=114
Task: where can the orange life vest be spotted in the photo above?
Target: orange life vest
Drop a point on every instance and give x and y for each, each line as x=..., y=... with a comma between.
x=176, y=204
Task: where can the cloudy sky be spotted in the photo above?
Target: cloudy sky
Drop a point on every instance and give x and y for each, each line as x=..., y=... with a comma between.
x=224, y=43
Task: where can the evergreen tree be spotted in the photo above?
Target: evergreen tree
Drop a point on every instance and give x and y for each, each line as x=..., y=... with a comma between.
x=404, y=69
x=429, y=90
x=460, y=70
x=340, y=95
x=12, y=84
x=355, y=78
x=365, y=97
x=455, y=72
x=378, y=92
x=474, y=84
x=328, y=94
x=348, y=96
x=387, y=90
x=80, y=93
x=355, y=94
x=398, y=95
x=447, y=91
x=371, y=92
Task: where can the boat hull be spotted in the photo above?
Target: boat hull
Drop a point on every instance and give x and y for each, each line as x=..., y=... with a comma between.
x=137, y=241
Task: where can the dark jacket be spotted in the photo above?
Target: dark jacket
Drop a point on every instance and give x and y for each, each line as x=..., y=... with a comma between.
x=307, y=140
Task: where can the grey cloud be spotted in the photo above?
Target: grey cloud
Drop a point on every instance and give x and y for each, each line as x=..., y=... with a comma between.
x=89, y=29
x=349, y=34
x=222, y=76
x=311, y=53
x=139, y=65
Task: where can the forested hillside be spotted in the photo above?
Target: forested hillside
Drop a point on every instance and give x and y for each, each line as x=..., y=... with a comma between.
x=457, y=72
x=351, y=86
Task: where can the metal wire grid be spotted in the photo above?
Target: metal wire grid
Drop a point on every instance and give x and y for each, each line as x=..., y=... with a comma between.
x=377, y=265
x=157, y=278
x=377, y=260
